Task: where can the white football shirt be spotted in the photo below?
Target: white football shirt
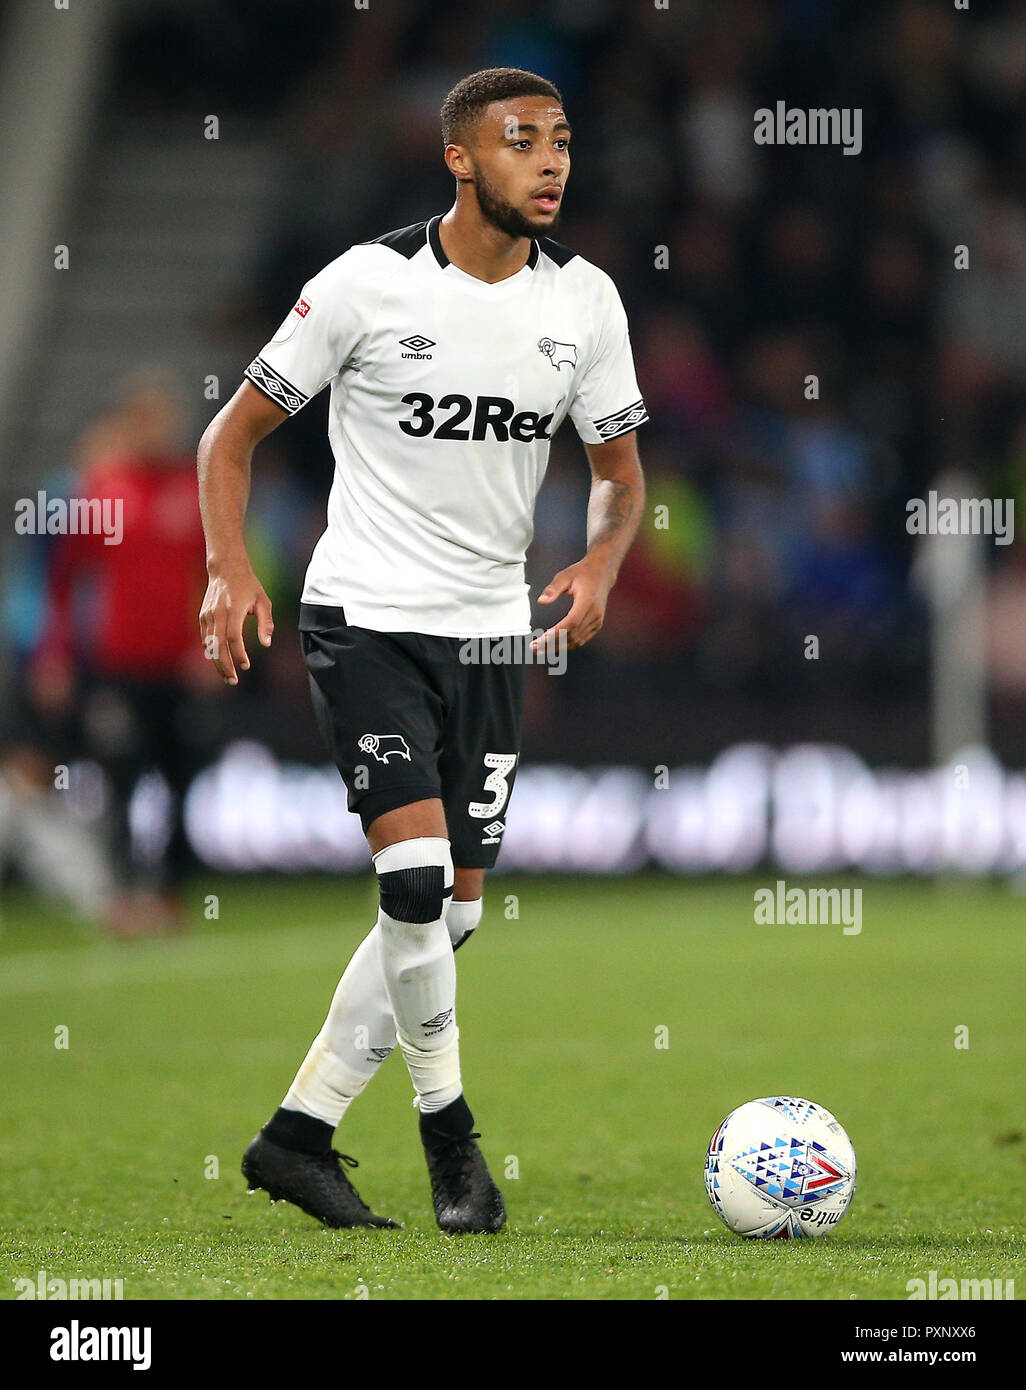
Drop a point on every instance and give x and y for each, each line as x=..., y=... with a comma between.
x=445, y=393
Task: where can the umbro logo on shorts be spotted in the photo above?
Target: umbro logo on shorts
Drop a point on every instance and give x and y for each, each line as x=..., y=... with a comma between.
x=492, y=832
x=384, y=746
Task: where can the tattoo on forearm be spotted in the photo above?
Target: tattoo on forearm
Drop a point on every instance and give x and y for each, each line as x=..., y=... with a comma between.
x=612, y=511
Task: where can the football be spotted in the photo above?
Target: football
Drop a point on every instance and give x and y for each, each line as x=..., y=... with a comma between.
x=780, y=1167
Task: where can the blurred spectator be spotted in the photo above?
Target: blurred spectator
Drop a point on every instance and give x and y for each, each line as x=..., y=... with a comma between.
x=121, y=651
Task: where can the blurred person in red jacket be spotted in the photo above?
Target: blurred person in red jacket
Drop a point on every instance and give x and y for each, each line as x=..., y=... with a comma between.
x=119, y=648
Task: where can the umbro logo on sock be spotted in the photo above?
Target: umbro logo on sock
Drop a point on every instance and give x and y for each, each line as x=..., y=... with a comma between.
x=438, y=1024
x=378, y=1054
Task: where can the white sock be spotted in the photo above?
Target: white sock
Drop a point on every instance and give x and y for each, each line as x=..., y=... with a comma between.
x=418, y=965
x=357, y=1036
x=461, y=919
x=359, y=1032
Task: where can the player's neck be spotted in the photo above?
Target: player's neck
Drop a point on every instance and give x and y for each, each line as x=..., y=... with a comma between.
x=479, y=248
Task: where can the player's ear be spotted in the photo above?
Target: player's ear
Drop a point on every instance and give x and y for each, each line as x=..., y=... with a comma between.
x=458, y=163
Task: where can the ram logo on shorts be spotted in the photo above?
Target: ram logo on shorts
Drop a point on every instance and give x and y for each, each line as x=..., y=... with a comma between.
x=384, y=746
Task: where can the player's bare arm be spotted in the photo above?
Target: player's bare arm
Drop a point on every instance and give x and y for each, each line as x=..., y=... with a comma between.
x=614, y=514
x=233, y=591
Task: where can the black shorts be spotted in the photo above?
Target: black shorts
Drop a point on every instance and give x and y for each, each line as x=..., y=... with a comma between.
x=406, y=719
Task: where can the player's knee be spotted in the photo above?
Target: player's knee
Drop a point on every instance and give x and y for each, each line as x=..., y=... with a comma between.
x=415, y=879
x=414, y=895
x=463, y=918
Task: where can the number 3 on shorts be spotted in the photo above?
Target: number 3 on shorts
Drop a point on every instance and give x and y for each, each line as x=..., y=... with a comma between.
x=503, y=764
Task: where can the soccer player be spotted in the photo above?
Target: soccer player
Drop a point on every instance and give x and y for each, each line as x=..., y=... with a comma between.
x=455, y=348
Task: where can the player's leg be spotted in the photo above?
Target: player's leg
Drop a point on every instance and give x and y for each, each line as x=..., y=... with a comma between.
x=360, y=681
x=485, y=713
x=477, y=765
x=463, y=1193
x=417, y=972
x=416, y=876
x=413, y=862
x=408, y=841
x=359, y=1032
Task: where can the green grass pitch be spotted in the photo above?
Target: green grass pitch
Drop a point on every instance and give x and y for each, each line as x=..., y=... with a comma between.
x=179, y=1049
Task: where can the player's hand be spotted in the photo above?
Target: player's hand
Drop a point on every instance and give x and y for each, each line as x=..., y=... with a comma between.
x=233, y=593
x=588, y=583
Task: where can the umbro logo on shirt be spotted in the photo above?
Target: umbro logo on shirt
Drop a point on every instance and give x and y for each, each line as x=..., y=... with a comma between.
x=417, y=344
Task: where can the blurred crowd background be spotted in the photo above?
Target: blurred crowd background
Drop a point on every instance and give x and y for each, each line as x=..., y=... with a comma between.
x=744, y=268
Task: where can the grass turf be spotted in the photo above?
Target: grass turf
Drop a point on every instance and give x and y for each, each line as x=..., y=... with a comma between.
x=179, y=1049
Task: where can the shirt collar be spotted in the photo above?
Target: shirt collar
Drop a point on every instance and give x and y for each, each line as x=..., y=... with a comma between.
x=435, y=242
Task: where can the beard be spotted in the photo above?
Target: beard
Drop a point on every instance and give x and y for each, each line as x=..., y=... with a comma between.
x=502, y=214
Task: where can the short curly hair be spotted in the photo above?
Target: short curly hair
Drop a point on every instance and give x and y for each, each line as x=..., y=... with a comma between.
x=472, y=94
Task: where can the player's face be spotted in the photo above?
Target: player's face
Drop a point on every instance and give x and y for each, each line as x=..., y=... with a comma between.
x=521, y=161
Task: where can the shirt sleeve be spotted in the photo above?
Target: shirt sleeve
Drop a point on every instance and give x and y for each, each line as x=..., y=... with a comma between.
x=320, y=333
x=608, y=401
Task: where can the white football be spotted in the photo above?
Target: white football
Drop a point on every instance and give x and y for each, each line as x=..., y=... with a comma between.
x=780, y=1167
